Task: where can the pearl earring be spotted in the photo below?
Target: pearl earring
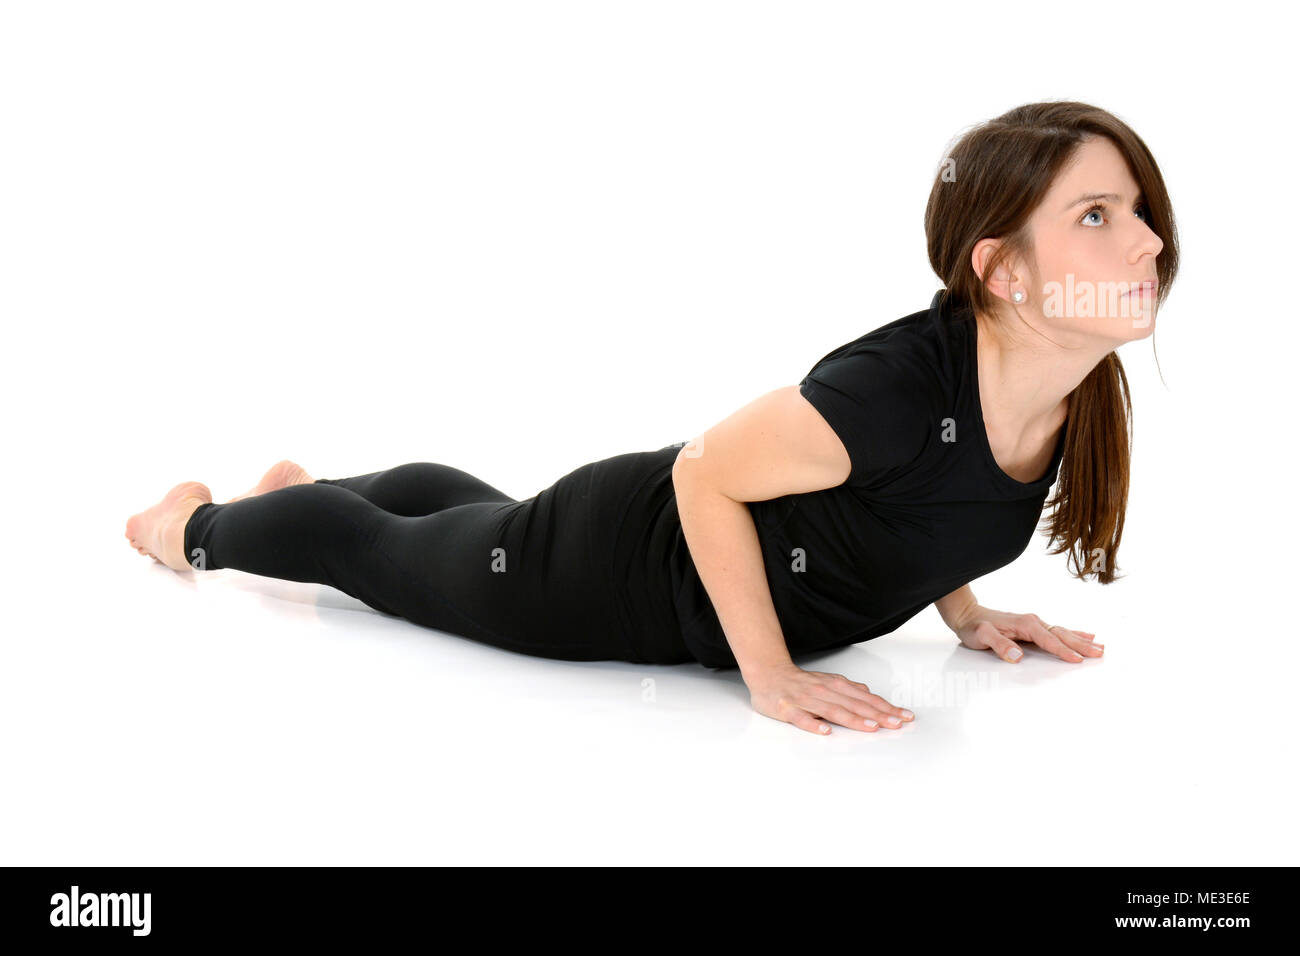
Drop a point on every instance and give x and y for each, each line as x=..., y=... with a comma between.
x=1018, y=296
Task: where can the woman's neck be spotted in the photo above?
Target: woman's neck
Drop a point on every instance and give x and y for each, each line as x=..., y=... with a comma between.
x=1025, y=384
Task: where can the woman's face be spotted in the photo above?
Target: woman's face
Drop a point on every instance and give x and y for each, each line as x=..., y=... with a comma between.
x=1092, y=253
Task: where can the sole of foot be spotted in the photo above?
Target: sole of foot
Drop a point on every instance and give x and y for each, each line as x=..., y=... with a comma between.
x=280, y=475
x=154, y=531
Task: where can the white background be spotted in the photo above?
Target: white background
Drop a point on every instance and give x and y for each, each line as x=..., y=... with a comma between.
x=520, y=237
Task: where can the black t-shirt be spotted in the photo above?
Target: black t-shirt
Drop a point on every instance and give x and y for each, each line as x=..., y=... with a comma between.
x=925, y=508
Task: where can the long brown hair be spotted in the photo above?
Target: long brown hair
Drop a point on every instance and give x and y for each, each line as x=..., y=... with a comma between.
x=1003, y=169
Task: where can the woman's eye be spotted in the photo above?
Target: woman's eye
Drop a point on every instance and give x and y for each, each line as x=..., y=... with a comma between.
x=1099, y=210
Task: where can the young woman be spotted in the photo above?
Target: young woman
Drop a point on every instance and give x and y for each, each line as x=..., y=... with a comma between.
x=904, y=465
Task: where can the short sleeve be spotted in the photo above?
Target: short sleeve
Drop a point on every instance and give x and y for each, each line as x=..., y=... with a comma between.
x=879, y=404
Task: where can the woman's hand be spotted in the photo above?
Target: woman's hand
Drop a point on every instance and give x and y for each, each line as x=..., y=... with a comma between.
x=999, y=630
x=809, y=699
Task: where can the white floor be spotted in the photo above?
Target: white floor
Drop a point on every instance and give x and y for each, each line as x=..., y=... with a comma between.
x=152, y=717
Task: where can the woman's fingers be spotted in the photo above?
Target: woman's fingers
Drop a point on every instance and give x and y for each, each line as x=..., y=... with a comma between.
x=855, y=689
x=993, y=638
x=834, y=699
x=851, y=712
x=1065, y=644
x=849, y=717
x=806, y=721
x=1081, y=641
x=1072, y=646
x=1036, y=631
x=812, y=701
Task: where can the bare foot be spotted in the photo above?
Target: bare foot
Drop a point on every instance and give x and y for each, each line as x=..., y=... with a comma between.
x=159, y=531
x=281, y=475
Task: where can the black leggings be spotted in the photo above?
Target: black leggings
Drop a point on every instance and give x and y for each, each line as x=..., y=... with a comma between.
x=441, y=548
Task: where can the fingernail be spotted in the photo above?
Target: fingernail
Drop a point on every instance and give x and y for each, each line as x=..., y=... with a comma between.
x=1015, y=654
x=908, y=714
x=891, y=719
x=869, y=722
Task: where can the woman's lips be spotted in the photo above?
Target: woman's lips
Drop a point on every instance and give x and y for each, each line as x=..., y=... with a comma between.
x=1147, y=288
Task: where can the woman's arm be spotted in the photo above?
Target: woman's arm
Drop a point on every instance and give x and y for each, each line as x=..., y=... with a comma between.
x=955, y=607
x=776, y=445
x=720, y=532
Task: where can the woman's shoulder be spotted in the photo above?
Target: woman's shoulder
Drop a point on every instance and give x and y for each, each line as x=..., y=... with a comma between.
x=914, y=357
x=887, y=391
